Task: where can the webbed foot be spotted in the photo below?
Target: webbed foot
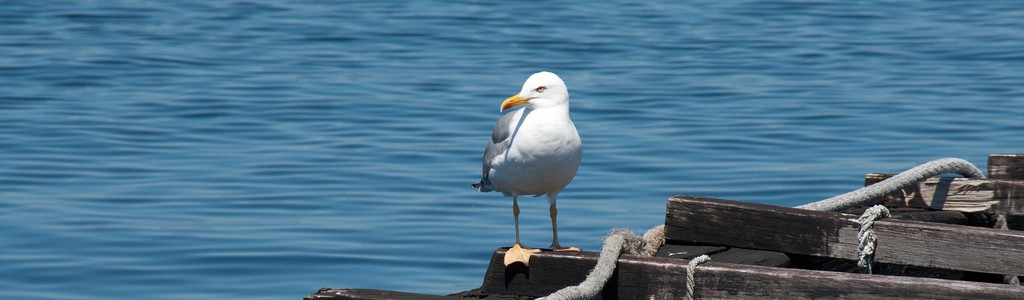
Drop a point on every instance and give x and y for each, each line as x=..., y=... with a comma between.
x=519, y=254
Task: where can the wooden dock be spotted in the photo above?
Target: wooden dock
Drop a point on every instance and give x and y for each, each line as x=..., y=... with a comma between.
x=945, y=240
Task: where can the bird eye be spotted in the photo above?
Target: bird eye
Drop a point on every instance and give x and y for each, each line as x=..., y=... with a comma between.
x=541, y=89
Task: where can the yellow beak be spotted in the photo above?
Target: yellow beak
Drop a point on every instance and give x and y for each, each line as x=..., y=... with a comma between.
x=513, y=101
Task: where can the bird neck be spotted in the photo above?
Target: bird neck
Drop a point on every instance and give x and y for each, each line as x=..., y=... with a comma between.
x=556, y=109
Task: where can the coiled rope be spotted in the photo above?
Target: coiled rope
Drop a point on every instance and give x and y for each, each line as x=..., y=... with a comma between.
x=624, y=241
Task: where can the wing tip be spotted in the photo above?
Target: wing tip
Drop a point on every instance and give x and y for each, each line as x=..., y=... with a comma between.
x=481, y=186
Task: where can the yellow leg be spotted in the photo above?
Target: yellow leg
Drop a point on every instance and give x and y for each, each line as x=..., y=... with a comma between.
x=518, y=253
x=554, y=226
x=553, y=210
x=515, y=215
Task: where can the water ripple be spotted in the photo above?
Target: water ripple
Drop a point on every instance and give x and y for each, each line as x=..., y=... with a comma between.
x=179, y=147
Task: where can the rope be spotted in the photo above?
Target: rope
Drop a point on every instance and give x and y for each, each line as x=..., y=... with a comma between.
x=690, y=269
x=623, y=241
x=1001, y=223
x=867, y=236
x=865, y=195
x=620, y=240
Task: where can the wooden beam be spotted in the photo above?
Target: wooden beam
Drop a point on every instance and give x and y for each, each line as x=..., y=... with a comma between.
x=547, y=273
x=725, y=254
x=664, y=278
x=752, y=257
x=994, y=196
x=920, y=214
x=371, y=294
x=1006, y=166
x=687, y=251
x=791, y=230
x=934, y=216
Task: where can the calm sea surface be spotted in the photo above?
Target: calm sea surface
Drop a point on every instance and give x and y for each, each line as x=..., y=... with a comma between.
x=204, y=149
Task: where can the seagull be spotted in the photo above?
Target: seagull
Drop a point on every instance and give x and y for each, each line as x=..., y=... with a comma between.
x=533, y=151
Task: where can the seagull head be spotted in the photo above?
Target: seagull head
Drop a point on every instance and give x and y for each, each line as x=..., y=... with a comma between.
x=541, y=90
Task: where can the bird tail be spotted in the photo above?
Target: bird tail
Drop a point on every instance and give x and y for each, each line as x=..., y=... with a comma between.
x=482, y=186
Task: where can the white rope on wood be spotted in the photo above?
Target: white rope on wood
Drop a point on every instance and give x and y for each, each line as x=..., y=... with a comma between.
x=865, y=195
x=690, y=269
x=1001, y=223
x=866, y=236
x=617, y=242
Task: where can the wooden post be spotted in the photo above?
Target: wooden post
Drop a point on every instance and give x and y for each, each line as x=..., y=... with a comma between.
x=1009, y=167
x=1006, y=166
x=791, y=230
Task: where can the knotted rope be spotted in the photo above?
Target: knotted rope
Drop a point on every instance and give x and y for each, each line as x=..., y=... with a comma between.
x=623, y=241
x=867, y=238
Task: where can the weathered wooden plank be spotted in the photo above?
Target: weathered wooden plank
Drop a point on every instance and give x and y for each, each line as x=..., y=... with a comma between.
x=1006, y=166
x=959, y=194
x=906, y=197
x=687, y=251
x=664, y=278
x=934, y=216
x=725, y=254
x=371, y=294
x=924, y=215
x=808, y=262
x=752, y=257
x=477, y=294
x=790, y=230
x=546, y=274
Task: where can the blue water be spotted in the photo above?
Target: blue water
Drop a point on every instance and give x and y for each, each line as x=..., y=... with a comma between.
x=202, y=149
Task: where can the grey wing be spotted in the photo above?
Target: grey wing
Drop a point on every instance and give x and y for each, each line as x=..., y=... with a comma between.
x=498, y=144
